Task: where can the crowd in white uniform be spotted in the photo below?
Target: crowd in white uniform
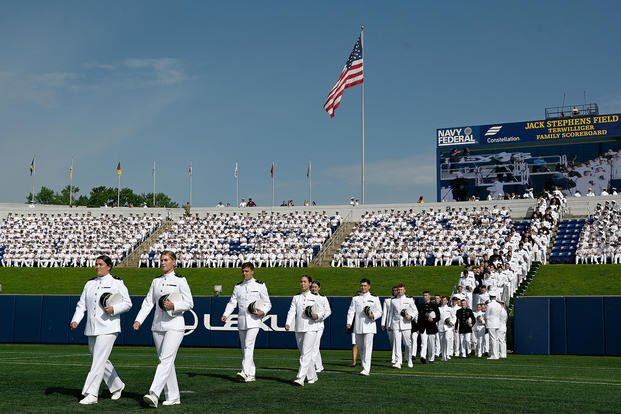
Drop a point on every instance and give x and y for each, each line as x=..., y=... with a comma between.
x=435, y=236
x=226, y=240
x=71, y=239
x=600, y=240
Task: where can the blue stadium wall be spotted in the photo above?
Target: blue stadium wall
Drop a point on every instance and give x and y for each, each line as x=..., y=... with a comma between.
x=542, y=325
x=45, y=319
x=568, y=325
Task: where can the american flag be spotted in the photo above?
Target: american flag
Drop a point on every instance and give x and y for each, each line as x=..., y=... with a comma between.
x=351, y=75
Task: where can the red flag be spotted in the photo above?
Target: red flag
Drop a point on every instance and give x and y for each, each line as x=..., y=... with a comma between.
x=351, y=75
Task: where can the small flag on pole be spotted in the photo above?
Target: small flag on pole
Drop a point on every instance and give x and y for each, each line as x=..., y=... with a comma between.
x=236, y=171
x=32, y=166
x=71, y=170
x=308, y=170
x=190, y=169
x=351, y=75
x=119, y=170
x=272, y=170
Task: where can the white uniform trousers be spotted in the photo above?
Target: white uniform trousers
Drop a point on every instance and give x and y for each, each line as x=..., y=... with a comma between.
x=391, y=339
x=465, y=339
x=438, y=345
x=479, y=340
x=100, y=346
x=317, y=352
x=247, y=338
x=306, y=345
x=428, y=346
x=502, y=342
x=365, y=348
x=456, y=343
x=414, y=343
x=166, y=345
x=401, y=338
x=493, y=343
x=446, y=343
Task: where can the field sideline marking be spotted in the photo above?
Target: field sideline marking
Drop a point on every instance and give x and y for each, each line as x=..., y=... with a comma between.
x=384, y=374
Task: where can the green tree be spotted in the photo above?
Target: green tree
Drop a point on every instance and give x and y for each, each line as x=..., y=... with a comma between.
x=64, y=195
x=161, y=200
x=44, y=196
x=101, y=196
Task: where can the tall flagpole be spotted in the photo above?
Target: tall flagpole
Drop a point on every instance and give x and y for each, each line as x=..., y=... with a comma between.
x=272, y=173
x=153, y=183
x=190, y=173
x=362, y=169
x=310, y=184
x=236, y=174
x=33, y=169
x=71, y=183
x=119, y=172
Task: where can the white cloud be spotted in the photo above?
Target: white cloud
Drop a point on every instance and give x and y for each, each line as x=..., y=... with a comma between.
x=162, y=71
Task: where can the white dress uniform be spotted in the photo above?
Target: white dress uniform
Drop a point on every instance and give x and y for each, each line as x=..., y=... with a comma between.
x=446, y=329
x=244, y=293
x=401, y=327
x=478, y=331
x=492, y=317
x=306, y=330
x=168, y=331
x=364, y=327
x=327, y=311
x=101, y=330
x=387, y=324
x=502, y=332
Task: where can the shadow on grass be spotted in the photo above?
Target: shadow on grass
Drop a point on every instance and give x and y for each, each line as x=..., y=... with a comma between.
x=219, y=376
x=72, y=392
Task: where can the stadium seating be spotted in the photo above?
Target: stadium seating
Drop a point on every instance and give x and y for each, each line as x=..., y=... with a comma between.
x=227, y=240
x=71, y=239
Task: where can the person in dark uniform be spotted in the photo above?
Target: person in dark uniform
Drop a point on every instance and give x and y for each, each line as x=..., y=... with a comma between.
x=465, y=322
x=428, y=317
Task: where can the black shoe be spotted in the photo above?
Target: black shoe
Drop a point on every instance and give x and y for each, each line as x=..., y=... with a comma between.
x=423, y=361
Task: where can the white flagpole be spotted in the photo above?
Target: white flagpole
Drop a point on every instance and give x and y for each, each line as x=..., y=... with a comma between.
x=190, y=172
x=118, y=188
x=362, y=169
x=33, y=171
x=310, y=184
x=71, y=183
x=273, y=174
x=153, y=183
x=236, y=173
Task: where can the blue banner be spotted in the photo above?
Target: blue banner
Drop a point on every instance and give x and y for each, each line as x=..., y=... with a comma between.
x=558, y=131
x=45, y=319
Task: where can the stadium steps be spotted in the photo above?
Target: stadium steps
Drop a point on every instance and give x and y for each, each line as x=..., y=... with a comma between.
x=534, y=268
x=133, y=259
x=325, y=255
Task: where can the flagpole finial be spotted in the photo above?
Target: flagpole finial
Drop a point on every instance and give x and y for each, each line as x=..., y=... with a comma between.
x=361, y=28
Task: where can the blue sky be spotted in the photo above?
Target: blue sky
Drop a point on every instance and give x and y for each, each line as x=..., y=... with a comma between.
x=215, y=82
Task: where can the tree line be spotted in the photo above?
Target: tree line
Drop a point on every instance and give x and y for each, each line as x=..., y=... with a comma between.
x=99, y=197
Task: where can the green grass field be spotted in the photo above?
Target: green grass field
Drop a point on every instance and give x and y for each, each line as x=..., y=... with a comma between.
x=49, y=378
x=280, y=281
x=570, y=280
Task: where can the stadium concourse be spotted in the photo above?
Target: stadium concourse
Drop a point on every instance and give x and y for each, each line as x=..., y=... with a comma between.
x=384, y=235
